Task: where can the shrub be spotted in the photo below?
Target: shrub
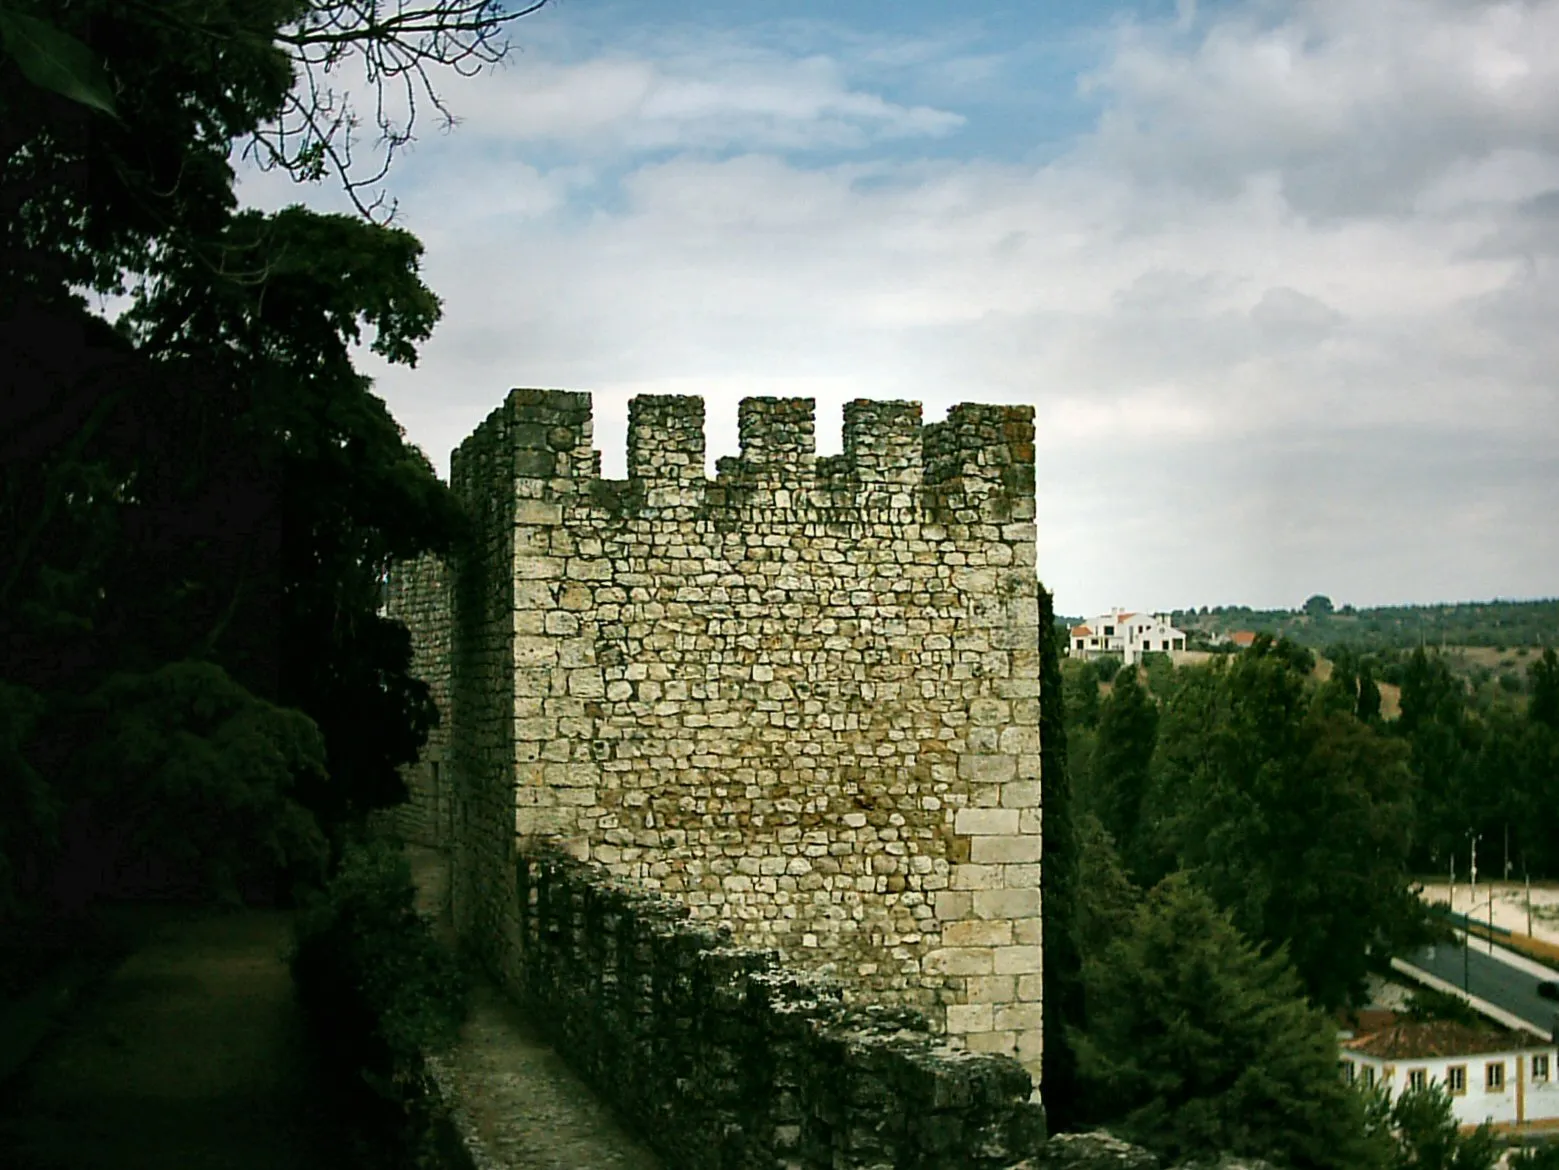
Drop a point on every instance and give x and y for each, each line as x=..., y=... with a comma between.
x=369, y=971
x=380, y=991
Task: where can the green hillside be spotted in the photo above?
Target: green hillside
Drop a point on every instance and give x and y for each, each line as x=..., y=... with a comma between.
x=1493, y=624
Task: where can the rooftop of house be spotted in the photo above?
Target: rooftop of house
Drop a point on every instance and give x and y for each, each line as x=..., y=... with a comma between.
x=1431, y=1038
x=1367, y=1021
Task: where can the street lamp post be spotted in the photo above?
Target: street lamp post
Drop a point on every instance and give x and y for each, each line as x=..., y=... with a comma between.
x=1472, y=903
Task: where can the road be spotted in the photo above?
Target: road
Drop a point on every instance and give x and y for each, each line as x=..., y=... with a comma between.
x=1488, y=978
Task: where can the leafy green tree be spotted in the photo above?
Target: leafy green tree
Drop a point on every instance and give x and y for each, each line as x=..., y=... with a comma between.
x=1122, y=758
x=1080, y=684
x=1199, y=1044
x=1319, y=606
x=1543, y=706
x=1160, y=670
x=1368, y=707
x=207, y=489
x=1536, y=1158
x=1106, y=896
x=1107, y=666
x=1429, y=1137
x=1294, y=816
x=1439, y=727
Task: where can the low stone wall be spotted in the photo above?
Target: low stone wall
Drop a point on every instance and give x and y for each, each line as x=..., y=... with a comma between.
x=724, y=1061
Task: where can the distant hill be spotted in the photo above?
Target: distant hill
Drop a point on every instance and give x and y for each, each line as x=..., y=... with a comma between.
x=1493, y=624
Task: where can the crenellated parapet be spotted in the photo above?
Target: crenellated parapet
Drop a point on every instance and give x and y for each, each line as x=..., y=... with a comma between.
x=980, y=462
x=976, y=466
x=666, y=449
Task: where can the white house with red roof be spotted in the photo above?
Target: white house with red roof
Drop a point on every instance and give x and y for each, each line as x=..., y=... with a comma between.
x=1492, y=1074
x=1125, y=633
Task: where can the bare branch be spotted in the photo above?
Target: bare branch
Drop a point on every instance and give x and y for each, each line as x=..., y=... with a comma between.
x=399, y=45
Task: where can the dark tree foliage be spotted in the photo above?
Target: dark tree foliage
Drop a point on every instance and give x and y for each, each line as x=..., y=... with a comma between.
x=1293, y=815
x=1486, y=771
x=1058, y=882
x=1200, y=1044
x=1122, y=760
x=1386, y=628
x=1080, y=683
x=1428, y=1136
x=1543, y=706
x=1536, y=1158
x=1367, y=707
x=197, y=504
x=1106, y=896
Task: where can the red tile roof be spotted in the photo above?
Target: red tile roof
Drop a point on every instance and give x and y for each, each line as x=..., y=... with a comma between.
x=1366, y=1021
x=1080, y=631
x=1243, y=638
x=1441, y=1038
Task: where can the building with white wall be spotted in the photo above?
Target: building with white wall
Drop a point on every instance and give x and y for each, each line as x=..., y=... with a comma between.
x=1128, y=634
x=1491, y=1074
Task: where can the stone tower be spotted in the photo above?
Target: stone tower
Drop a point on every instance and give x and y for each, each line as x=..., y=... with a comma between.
x=801, y=697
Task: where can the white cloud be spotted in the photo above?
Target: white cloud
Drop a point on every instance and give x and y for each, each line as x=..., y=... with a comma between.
x=1286, y=314
x=717, y=96
x=1356, y=107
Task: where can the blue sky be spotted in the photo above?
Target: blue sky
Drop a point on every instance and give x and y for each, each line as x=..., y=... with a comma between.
x=1278, y=278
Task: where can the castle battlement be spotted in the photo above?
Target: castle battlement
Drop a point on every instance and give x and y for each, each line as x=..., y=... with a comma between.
x=800, y=697
x=975, y=466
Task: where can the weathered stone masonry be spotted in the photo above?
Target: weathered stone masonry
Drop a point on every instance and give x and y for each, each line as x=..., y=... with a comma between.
x=800, y=698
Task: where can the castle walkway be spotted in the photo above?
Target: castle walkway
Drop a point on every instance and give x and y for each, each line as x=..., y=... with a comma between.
x=192, y=1054
x=516, y=1097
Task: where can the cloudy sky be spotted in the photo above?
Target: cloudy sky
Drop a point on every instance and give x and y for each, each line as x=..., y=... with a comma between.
x=1278, y=278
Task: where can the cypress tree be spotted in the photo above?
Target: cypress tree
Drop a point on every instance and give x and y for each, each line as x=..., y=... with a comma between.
x=1063, y=965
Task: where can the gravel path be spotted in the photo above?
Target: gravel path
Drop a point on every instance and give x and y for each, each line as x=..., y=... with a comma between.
x=191, y=1055
x=527, y=1107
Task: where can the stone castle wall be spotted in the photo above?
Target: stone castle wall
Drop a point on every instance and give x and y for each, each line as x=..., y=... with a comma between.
x=418, y=595
x=800, y=698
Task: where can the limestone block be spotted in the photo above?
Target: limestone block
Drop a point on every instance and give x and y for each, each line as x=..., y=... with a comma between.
x=995, y=1041
x=959, y=961
x=991, y=988
x=987, y=769
x=978, y=933
x=977, y=877
x=982, y=822
x=1021, y=794
x=963, y=1018
x=1006, y=903
x=999, y=850
x=1018, y=961
x=952, y=905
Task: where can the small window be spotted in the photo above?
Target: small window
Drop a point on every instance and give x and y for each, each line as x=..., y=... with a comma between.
x=1079, y=643
x=1540, y=1067
x=1369, y=1076
x=1108, y=631
x=1494, y=1076
x=1166, y=643
x=1456, y=1079
x=1417, y=1078
x=1349, y=1070
x=1146, y=645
